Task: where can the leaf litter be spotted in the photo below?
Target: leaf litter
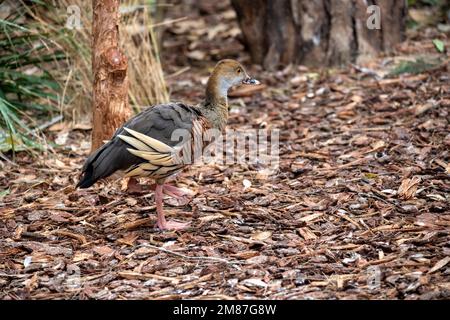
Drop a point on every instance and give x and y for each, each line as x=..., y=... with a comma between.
x=358, y=209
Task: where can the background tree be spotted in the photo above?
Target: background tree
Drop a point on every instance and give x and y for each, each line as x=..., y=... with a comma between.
x=109, y=65
x=322, y=32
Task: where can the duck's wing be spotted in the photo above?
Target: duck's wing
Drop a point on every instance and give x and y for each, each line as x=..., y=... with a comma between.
x=146, y=144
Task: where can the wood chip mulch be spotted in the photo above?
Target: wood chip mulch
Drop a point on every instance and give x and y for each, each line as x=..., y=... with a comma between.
x=358, y=209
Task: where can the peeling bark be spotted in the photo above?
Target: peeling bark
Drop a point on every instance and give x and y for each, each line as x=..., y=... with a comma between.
x=322, y=32
x=109, y=65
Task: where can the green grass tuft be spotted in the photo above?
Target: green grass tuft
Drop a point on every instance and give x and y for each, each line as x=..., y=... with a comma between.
x=27, y=89
x=413, y=67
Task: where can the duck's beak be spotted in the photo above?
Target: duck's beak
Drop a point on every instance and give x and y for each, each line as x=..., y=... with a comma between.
x=249, y=80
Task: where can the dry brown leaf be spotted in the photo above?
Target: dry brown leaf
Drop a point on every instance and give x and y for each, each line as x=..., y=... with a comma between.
x=246, y=254
x=131, y=201
x=210, y=218
x=129, y=239
x=32, y=283
x=80, y=256
x=66, y=233
x=82, y=126
x=261, y=236
x=261, y=259
x=306, y=233
x=444, y=165
x=440, y=264
x=254, y=282
x=196, y=55
x=29, y=178
x=378, y=145
x=408, y=188
x=311, y=217
x=103, y=250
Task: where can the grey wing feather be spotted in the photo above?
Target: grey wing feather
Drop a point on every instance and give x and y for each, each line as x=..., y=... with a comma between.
x=158, y=122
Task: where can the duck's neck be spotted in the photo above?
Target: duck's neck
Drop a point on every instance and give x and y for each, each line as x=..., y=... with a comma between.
x=215, y=105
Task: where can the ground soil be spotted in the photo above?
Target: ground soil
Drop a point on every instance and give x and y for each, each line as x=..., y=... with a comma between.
x=358, y=208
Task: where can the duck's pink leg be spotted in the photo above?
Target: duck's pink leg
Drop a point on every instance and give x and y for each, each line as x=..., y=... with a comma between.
x=162, y=223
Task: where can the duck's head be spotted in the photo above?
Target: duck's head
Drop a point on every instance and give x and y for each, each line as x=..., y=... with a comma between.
x=226, y=74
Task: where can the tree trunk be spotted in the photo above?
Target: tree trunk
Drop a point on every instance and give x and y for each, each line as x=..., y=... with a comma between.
x=320, y=32
x=109, y=65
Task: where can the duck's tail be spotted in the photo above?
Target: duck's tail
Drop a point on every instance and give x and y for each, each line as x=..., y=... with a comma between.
x=95, y=168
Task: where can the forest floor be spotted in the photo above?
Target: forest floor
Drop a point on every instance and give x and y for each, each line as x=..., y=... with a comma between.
x=358, y=209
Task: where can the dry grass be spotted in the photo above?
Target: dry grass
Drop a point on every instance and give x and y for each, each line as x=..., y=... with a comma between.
x=147, y=85
x=137, y=38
